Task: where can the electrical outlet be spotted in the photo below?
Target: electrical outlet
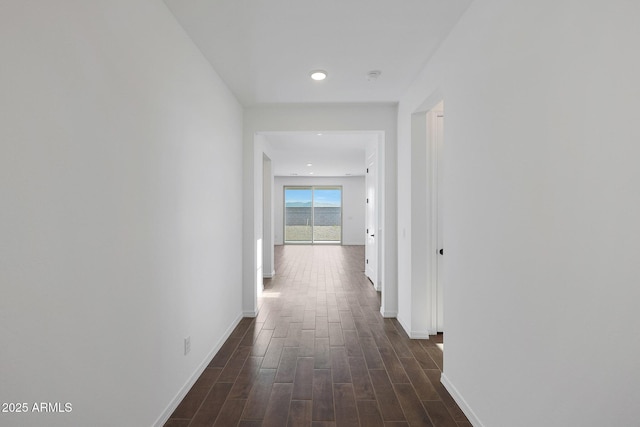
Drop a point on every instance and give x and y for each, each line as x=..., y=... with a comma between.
x=187, y=345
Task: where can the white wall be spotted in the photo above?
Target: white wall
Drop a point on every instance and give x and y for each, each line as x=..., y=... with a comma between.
x=119, y=146
x=541, y=210
x=353, y=205
x=268, y=258
x=325, y=117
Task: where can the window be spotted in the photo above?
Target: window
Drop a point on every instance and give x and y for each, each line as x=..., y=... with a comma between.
x=313, y=215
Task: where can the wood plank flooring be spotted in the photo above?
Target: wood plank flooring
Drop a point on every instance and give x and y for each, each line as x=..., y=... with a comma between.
x=320, y=354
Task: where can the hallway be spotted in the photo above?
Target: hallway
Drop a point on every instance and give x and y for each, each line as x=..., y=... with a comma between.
x=320, y=354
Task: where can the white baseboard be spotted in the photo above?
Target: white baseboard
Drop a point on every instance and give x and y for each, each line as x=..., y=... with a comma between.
x=389, y=314
x=415, y=335
x=249, y=313
x=376, y=286
x=162, y=419
x=269, y=276
x=453, y=391
x=403, y=324
x=419, y=335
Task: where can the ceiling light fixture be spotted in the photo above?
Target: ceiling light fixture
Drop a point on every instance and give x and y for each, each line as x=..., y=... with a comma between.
x=309, y=164
x=318, y=75
x=310, y=173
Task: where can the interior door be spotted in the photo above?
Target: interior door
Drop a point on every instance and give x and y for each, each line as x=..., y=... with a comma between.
x=371, y=246
x=439, y=127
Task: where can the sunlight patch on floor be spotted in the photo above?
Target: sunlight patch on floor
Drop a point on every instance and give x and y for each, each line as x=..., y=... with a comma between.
x=267, y=294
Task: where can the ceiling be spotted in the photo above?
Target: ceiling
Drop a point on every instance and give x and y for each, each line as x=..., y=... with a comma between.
x=330, y=153
x=265, y=50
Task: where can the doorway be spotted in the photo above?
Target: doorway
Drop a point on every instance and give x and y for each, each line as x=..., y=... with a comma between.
x=312, y=215
x=371, y=247
x=435, y=141
x=275, y=144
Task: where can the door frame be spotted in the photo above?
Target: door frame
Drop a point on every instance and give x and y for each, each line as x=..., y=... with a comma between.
x=371, y=220
x=421, y=319
x=435, y=154
x=253, y=220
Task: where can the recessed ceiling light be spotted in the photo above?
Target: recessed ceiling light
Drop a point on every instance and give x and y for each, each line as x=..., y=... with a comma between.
x=309, y=164
x=318, y=75
x=319, y=134
x=310, y=173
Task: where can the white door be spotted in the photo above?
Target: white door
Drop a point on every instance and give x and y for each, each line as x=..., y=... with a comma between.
x=371, y=246
x=439, y=122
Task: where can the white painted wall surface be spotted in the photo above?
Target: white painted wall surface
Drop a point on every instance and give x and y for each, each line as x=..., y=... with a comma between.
x=120, y=193
x=335, y=117
x=268, y=229
x=353, y=205
x=541, y=213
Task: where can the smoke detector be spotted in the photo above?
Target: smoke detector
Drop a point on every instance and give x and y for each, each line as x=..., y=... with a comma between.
x=373, y=75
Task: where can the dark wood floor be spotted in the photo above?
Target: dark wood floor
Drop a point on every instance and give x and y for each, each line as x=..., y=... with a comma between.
x=320, y=354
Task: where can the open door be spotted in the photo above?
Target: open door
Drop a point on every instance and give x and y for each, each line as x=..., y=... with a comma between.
x=371, y=246
x=438, y=125
x=435, y=249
